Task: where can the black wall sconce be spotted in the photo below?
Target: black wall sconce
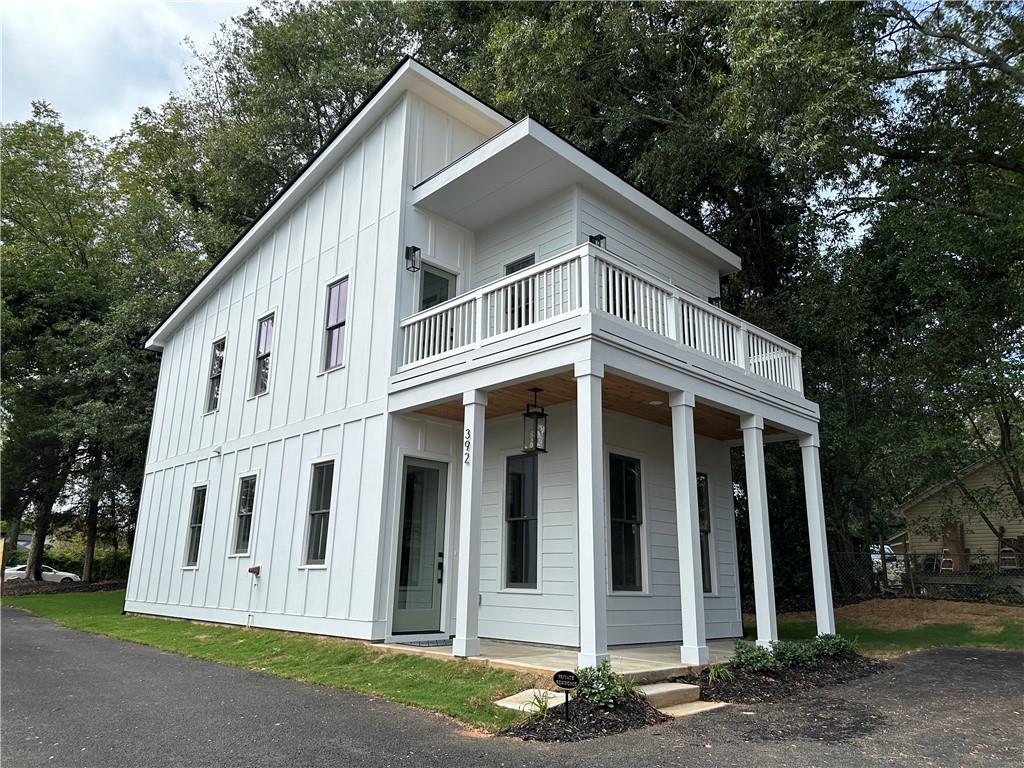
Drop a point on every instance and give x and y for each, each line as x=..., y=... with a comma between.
x=715, y=301
x=535, y=426
x=412, y=258
x=598, y=240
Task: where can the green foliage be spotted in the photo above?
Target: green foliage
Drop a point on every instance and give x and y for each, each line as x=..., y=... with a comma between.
x=600, y=686
x=790, y=654
x=720, y=673
x=107, y=564
x=795, y=655
x=754, y=659
x=834, y=647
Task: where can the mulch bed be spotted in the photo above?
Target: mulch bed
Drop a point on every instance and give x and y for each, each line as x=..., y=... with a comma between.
x=15, y=587
x=587, y=721
x=754, y=687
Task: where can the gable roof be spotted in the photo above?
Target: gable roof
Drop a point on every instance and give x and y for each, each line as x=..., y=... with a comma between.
x=938, y=488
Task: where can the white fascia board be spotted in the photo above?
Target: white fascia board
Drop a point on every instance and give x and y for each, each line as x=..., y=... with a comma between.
x=410, y=76
x=726, y=260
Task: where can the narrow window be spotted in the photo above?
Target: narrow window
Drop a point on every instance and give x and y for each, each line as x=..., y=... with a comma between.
x=337, y=311
x=627, y=518
x=195, y=526
x=243, y=522
x=264, y=343
x=521, y=522
x=704, y=515
x=520, y=309
x=436, y=286
x=216, y=372
x=319, y=512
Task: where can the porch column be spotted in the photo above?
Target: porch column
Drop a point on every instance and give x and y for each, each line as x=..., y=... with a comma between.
x=809, y=445
x=694, y=650
x=593, y=581
x=467, y=606
x=760, y=537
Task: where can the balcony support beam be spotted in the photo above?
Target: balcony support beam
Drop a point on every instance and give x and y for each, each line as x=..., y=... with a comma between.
x=760, y=536
x=467, y=592
x=826, y=621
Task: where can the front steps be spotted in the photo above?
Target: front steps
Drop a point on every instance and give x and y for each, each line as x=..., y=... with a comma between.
x=661, y=695
x=674, y=699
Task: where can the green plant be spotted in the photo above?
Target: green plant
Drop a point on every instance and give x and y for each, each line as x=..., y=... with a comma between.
x=720, y=673
x=540, y=703
x=791, y=654
x=753, y=658
x=834, y=647
x=600, y=686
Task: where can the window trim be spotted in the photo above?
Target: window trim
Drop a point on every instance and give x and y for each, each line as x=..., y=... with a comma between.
x=334, y=461
x=209, y=368
x=252, y=394
x=645, y=559
x=325, y=307
x=239, y=477
x=503, y=587
x=188, y=524
x=437, y=267
x=713, y=555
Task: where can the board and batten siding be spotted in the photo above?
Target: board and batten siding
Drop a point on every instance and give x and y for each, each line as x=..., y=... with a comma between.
x=348, y=225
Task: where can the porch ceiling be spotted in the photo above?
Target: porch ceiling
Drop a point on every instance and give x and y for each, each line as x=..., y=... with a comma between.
x=619, y=394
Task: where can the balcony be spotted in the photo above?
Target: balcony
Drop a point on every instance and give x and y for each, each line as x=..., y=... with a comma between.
x=589, y=279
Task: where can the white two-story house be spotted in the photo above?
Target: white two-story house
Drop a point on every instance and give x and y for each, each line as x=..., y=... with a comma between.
x=461, y=381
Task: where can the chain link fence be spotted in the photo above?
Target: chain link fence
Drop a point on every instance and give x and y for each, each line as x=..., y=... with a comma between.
x=933, y=575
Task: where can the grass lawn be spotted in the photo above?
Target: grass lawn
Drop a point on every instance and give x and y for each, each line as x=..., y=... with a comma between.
x=462, y=690
x=890, y=627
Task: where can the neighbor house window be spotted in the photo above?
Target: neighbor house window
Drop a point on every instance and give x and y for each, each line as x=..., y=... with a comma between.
x=704, y=516
x=319, y=512
x=521, y=522
x=627, y=519
x=264, y=343
x=216, y=373
x=337, y=311
x=243, y=515
x=195, y=526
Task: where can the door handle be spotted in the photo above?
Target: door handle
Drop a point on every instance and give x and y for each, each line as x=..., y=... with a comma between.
x=440, y=571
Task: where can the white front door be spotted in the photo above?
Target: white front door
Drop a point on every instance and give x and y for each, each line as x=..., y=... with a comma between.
x=421, y=547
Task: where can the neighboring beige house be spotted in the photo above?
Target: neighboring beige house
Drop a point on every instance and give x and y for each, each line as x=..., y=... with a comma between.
x=964, y=541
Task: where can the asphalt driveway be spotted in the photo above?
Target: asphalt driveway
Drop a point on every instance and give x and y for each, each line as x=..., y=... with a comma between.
x=74, y=699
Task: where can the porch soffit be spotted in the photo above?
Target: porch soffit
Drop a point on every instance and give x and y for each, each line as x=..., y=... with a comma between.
x=618, y=394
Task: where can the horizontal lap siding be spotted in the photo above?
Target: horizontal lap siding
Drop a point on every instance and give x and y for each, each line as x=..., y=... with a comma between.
x=628, y=239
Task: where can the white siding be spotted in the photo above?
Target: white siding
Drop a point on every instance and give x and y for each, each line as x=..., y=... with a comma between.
x=629, y=240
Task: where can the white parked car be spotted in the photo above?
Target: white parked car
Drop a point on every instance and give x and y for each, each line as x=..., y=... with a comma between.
x=49, y=574
x=894, y=565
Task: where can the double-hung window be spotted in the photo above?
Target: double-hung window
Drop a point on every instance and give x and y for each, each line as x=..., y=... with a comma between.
x=264, y=345
x=243, y=513
x=321, y=484
x=195, y=526
x=521, y=522
x=626, y=523
x=704, y=516
x=334, y=333
x=216, y=373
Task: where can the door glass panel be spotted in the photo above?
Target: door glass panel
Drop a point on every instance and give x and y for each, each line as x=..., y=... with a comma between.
x=421, y=548
x=438, y=287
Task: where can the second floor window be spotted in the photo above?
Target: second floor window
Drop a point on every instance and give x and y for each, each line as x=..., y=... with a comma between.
x=216, y=373
x=337, y=311
x=195, y=526
x=264, y=345
x=243, y=522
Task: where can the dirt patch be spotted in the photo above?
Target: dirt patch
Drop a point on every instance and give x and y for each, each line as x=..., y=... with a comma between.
x=906, y=613
x=587, y=721
x=16, y=587
x=754, y=687
x=832, y=720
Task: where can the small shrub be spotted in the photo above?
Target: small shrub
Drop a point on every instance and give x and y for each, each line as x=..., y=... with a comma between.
x=541, y=703
x=754, y=658
x=790, y=654
x=834, y=647
x=602, y=687
x=720, y=673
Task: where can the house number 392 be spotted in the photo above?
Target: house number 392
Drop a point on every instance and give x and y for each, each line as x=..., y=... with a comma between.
x=468, y=445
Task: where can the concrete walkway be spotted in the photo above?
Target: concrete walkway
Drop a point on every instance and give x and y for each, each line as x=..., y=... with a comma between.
x=641, y=663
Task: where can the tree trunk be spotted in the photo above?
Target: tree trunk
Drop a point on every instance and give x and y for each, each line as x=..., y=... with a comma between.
x=11, y=542
x=34, y=566
x=91, y=518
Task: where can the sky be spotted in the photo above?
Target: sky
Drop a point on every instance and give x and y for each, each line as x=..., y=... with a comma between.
x=98, y=61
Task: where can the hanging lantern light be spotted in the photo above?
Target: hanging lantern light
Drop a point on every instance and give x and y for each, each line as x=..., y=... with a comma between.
x=412, y=258
x=535, y=426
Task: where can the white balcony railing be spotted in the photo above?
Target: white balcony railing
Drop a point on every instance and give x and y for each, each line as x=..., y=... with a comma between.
x=591, y=279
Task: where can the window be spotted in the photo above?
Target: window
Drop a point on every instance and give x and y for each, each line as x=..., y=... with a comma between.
x=627, y=519
x=521, y=522
x=243, y=521
x=216, y=372
x=436, y=287
x=337, y=312
x=704, y=516
x=264, y=343
x=195, y=526
x=520, y=264
x=319, y=512
x=520, y=312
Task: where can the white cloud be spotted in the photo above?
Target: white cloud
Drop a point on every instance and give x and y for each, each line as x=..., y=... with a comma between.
x=97, y=61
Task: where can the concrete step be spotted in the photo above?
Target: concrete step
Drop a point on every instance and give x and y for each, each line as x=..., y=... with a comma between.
x=526, y=701
x=691, y=708
x=661, y=695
